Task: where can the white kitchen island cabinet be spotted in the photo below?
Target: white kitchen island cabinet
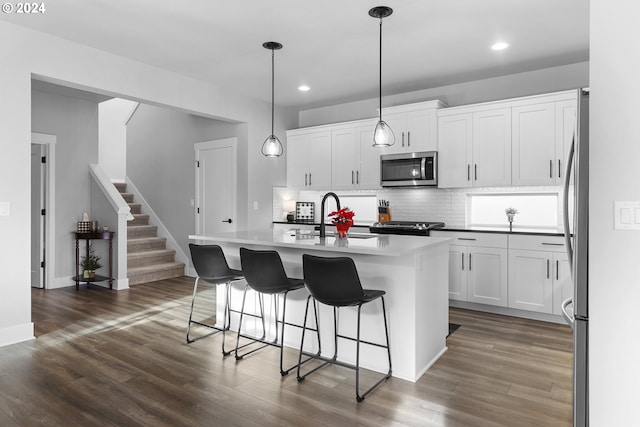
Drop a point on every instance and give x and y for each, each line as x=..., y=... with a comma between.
x=411, y=270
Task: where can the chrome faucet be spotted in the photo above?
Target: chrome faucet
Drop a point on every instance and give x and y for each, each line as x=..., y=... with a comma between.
x=324, y=199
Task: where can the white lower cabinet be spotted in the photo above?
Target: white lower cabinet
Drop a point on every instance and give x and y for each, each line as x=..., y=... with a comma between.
x=524, y=272
x=477, y=267
x=538, y=273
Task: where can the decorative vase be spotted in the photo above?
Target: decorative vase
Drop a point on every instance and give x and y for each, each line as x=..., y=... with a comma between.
x=342, y=229
x=510, y=218
x=89, y=274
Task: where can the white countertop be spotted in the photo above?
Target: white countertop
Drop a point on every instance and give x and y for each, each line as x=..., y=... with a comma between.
x=360, y=243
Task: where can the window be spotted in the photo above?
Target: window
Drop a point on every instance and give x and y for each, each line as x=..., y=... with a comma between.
x=535, y=210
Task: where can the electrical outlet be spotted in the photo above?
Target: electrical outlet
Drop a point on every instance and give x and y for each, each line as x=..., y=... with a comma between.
x=255, y=205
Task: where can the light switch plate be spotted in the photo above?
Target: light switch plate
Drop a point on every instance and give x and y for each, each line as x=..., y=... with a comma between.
x=5, y=208
x=626, y=215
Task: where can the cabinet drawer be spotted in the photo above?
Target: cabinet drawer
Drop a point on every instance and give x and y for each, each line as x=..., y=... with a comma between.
x=473, y=239
x=537, y=243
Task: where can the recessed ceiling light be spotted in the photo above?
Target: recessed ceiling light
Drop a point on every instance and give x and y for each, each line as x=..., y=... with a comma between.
x=303, y=88
x=499, y=46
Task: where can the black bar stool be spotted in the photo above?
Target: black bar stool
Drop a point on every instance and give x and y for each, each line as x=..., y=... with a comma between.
x=335, y=282
x=211, y=266
x=265, y=274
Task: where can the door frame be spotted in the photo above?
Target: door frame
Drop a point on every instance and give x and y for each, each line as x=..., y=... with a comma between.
x=48, y=142
x=207, y=145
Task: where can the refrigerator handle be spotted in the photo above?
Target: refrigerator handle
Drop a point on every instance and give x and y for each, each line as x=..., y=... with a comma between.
x=565, y=204
x=567, y=317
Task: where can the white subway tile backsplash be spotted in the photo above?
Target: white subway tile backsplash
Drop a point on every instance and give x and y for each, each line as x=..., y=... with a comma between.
x=406, y=204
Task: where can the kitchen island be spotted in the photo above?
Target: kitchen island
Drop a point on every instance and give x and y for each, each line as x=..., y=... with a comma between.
x=412, y=270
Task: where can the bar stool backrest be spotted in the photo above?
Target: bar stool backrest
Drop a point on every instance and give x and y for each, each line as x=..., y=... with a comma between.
x=210, y=263
x=332, y=281
x=263, y=270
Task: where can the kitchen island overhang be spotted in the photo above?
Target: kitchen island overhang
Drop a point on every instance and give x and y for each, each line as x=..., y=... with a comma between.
x=412, y=270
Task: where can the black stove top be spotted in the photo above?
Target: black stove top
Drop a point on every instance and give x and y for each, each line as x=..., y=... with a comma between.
x=414, y=228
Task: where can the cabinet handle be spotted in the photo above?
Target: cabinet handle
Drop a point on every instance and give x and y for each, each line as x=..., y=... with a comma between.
x=559, y=169
x=357, y=177
x=475, y=171
x=403, y=139
x=352, y=180
x=305, y=180
x=462, y=254
x=465, y=238
x=469, y=262
x=552, y=244
x=550, y=168
x=309, y=178
x=557, y=270
x=408, y=139
x=468, y=172
x=547, y=269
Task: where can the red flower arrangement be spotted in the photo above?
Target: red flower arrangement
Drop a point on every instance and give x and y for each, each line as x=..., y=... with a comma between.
x=343, y=220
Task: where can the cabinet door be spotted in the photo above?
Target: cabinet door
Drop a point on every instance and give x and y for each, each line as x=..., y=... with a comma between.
x=487, y=276
x=534, y=144
x=565, y=130
x=492, y=148
x=297, y=161
x=368, y=176
x=421, y=130
x=562, y=284
x=530, y=282
x=320, y=160
x=345, y=154
x=458, y=272
x=454, y=150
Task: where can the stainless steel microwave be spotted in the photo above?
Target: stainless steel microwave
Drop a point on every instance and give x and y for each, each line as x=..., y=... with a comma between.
x=409, y=169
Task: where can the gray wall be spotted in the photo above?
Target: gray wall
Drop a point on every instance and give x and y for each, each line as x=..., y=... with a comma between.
x=75, y=124
x=160, y=163
x=511, y=86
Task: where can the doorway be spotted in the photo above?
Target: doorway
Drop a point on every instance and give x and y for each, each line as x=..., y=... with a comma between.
x=42, y=210
x=215, y=204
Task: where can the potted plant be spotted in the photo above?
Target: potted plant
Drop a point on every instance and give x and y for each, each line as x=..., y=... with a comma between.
x=343, y=219
x=511, y=213
x=90, y=264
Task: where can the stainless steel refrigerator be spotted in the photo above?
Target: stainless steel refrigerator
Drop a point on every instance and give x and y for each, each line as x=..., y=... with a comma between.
x=576, y=224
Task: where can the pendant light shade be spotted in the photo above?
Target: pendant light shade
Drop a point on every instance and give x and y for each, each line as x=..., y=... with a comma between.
x=383, y=135
x=272, y=147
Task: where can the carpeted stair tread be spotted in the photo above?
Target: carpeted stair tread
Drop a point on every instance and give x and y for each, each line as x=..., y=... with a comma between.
x=140, y=231
x=154, y=272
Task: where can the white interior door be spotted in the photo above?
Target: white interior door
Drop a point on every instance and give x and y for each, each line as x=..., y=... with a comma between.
x=215, y=186
x=37, y=219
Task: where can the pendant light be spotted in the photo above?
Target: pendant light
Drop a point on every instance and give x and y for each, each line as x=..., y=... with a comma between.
x=382, y=135
x=272, y=147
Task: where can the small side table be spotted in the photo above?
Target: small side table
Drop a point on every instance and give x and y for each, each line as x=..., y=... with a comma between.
x=94, y=235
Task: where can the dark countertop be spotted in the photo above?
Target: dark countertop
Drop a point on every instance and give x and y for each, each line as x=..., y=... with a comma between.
x=502, y=230
x=497, y=230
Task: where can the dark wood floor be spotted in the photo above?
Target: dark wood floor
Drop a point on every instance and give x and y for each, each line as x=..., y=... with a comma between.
x=120, y=359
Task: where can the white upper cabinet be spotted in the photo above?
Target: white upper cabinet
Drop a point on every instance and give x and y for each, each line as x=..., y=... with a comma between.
x=492, y=148
x=309, y=160
x=474, y=148
x=355, y=162
x=455, y=150
x=542, y=134
x=521, y=141
x=414, y=126
x=534, y=144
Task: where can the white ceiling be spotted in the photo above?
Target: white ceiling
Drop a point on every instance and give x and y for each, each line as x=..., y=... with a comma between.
x=330, y=45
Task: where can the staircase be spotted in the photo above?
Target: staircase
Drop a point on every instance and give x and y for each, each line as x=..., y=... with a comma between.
x=148, y=258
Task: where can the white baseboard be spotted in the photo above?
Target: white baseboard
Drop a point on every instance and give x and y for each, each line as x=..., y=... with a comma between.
x=505, y=311
x=17, y=333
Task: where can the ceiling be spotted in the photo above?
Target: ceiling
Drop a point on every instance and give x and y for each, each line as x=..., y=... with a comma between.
x=330, y=45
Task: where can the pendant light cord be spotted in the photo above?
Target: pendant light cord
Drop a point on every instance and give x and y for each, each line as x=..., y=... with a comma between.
x=272, y=87
x=380, y=85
